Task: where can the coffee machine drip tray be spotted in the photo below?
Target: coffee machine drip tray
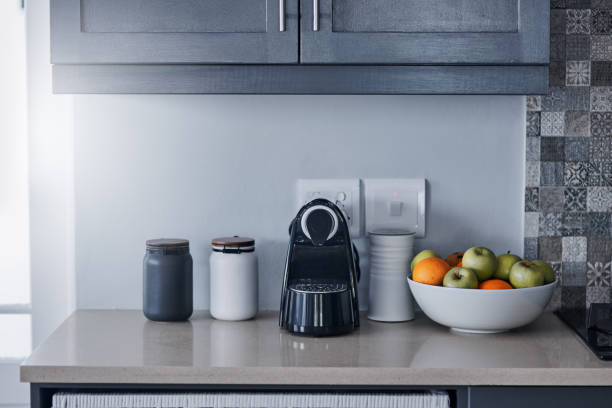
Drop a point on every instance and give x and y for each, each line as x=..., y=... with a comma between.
x=318, y=286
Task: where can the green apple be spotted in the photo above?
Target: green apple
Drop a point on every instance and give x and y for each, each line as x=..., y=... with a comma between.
x=525, y=274
x=504, y=263
x=482, y=260
x=462, y=278
x=428, y=253
x=547, y=271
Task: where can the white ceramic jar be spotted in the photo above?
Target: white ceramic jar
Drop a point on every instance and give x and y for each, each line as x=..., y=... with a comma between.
x=234, y=279
x=391, y=252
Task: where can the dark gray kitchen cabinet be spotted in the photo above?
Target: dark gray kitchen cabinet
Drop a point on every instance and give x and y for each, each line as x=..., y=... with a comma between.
x=300, y=46
x=174, y=31
x=424, y=31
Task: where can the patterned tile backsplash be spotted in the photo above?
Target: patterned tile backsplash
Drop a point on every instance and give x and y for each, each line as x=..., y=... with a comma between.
x=568, y=193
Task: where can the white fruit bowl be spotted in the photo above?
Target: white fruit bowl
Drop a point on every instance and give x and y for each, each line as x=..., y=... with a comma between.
x=480, y=310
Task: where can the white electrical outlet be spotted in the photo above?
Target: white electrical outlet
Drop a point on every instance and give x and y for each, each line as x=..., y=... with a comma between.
x=396, y=204
x=345, y=193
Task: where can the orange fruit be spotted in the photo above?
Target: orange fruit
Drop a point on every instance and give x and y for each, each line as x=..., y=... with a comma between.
x=430, y=271
x=494, y=284
x=454, y=258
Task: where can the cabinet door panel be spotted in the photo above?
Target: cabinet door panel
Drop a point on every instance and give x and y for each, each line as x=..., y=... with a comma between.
x=425, y=31
x=173, y=31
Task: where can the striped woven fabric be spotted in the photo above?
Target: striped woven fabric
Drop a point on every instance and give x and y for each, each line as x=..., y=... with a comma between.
x=252, y=400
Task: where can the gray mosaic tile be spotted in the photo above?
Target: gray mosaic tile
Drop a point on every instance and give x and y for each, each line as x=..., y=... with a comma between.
x=577, y=98
x=601, y=124
x=556, y=73
x=555, y=300
x=578, y=21
x=532, y=199
x=577, y=149
x=597, y=294
x=578, y=4
x=601, y=48
x=534, y=103
x=601, y=21
x=606, y=174
x=598, y=274
x=530, y=248
x=556, y=100
x=574, y=223
x=576, y=174
x=549, y=249
x=533, y=148
x=601, y=4
x=558, y=46
x=552, y=123
x=533, y=123
x=600, y=174
x=551, y=173
x=601, y=73
x=552, y=199
x=552, y=149
x=598, y=224
x=600, y=149
x=574, y=199
x=532, y=173
x=574, y=249
x=573, y=274
x=577, y=47
x=558, y=21
x=578, y=73
x=595, y=170
x=599, y=249
x=577, y=123
x=599, y=199
x=551, y=225
x=601, y=98
x=568, y=193
x=531, y=224
x=573, y=297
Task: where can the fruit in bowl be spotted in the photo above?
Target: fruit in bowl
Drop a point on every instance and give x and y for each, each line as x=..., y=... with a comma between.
x=427, y=253
x=504, y=263
x=479, y=310
x=459, y=277
x=525, y=274
x=482, y=260
x=462, y=297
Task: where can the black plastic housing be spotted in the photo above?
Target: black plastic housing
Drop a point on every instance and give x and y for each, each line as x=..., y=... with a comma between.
x=319, y=294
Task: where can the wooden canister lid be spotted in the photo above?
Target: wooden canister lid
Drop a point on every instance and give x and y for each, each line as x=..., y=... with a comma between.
x=233, y=242
x=168, y=243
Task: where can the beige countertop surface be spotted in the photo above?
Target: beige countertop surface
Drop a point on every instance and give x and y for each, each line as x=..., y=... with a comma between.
x=103, y=346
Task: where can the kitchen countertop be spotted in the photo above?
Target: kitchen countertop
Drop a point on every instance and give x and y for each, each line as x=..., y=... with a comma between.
x=103, y=346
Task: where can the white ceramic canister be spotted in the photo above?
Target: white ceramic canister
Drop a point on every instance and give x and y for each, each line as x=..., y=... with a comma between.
x=391, y=252
x=234, y=281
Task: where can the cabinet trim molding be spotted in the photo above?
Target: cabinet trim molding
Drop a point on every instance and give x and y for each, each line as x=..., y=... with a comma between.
x=301, y=79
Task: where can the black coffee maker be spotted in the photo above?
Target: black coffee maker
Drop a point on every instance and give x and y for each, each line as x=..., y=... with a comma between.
x=319, y=294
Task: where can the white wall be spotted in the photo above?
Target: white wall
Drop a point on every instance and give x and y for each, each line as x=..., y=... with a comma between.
x=199, y=167
x=51, y=183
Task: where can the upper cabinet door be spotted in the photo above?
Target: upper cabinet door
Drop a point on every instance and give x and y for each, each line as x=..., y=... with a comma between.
x=174, y=31
x=425, y=31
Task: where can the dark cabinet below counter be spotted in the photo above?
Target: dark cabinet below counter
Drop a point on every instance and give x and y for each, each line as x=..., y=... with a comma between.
x=300, y=46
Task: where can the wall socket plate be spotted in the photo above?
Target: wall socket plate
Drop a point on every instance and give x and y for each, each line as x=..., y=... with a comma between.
x=395, y=204
x=345, y=193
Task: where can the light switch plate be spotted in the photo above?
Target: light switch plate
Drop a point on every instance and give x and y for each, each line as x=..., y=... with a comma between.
x=395, y=203
x=345, y=193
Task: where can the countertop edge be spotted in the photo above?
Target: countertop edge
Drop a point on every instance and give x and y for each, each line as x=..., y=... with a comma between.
x=353, y=376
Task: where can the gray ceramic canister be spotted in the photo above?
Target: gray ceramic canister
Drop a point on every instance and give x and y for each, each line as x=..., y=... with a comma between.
x=167, y=280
